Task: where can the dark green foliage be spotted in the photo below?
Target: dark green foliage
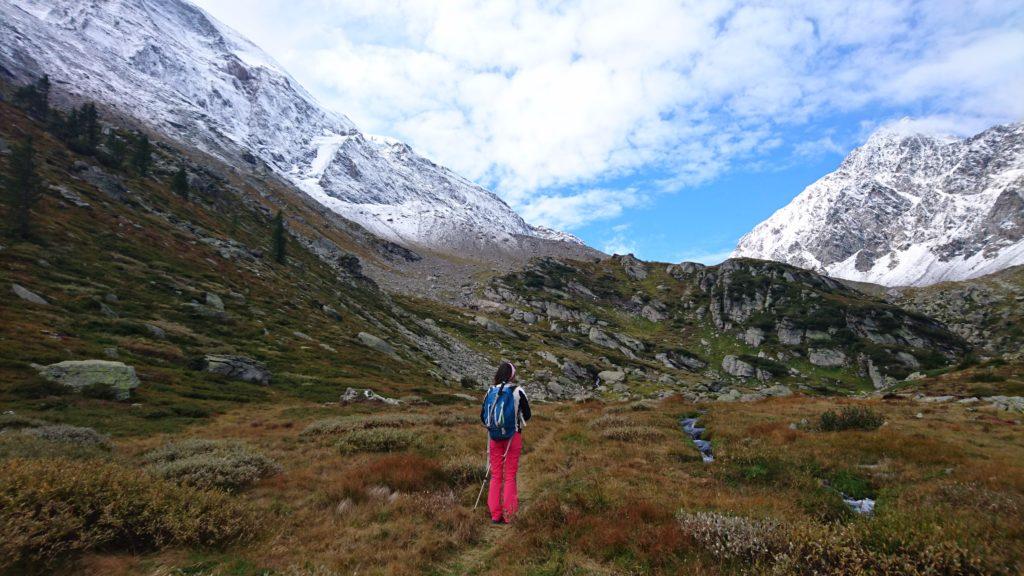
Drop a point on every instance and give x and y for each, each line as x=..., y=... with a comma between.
x=179, y=184
x=23, y=188
x=35, y=98
x=278, y=239
x=988, y=377
x=851, y=484
x=99, y=392
x=142, y=155
x=115, y=149
x=850, y=418
x=80, y=129
x=770, y=366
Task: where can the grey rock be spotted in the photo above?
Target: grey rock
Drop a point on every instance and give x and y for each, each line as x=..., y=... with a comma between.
x=237, y=367
x=548, y=356
x=597, y=336
x=331, y=312
x=28, y=295
x=371, y=341
x=753, y=336
x=652, y=313
x=78, y=374
x=612, y=376
x=214, y=301
x=70, y=196
x=574, y=371
x=493, y=326
x=777, y=391
x=733, y=365
x=826, y=358
x=733, y=395
x=634, y=268
x=156, y=331
x=352, y=395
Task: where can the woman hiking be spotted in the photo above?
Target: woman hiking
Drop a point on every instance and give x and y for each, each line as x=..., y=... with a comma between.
x=504, y=413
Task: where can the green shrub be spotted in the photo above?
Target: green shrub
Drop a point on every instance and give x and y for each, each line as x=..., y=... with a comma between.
x=851, y=484
x=99, y=392
x=850, y=418
x=15, y=445
x=68, y=435
x=51, y=509
x=376, y=440
x=632, y=433
x=220, y=464
x=16, y=422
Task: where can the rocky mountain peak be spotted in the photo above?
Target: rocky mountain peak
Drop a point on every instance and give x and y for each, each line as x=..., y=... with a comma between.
x=907, y=209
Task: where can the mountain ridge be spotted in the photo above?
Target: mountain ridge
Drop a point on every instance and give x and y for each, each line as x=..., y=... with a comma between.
x=170, y=65
x=907, y=210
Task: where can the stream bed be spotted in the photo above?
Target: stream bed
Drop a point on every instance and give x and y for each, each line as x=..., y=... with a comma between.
x=695, y=432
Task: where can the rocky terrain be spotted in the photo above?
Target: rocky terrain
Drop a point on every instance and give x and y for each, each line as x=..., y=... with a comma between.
x=907, y=209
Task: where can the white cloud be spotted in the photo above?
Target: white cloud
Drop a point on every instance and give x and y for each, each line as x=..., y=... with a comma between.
x=528, y=96
x=570, y=211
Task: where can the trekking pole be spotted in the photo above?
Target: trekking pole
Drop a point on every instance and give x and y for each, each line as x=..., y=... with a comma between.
x=487, y=473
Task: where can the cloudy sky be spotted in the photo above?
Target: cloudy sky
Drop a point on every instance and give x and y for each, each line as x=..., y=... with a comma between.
x=663, y=128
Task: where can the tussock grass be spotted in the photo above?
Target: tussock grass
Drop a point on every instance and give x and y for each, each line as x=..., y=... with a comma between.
x=53, y=509
x=376, y=440
x=66, y=434
x=633, y=433
x=850, y=418
x=341, y=425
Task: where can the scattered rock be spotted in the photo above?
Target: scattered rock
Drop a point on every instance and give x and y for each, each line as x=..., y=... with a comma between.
x=493, y=326
x=733, y=365
x=777, y=391
x=826, y=358
x=352, y=395
x=634, y=268
x=78, y=374
x=214, y=302
x=915, y=376
x=612, y=376
x=1007, y=403
x=753, y=336
x=371, y=341
x=70, y=196
x=302, y=336
x=331, y=311
x=156, y=331
x=597, y=336
x=237, y=367
x=28, y=295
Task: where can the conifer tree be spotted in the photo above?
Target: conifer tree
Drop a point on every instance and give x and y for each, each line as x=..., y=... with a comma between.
x=35, y=97
x=142, y=155
x=116, y=150
x=179, y=184
x=89, y=128
x=278, y=239
x=24, y=188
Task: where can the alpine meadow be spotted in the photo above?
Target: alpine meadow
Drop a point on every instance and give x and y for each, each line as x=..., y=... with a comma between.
x=241, y=336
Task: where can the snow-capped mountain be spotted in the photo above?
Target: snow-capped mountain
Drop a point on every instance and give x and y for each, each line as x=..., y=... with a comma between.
x=907, y=209
x=173, y=67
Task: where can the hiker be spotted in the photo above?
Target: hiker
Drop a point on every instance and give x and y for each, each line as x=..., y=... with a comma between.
x=505, y=411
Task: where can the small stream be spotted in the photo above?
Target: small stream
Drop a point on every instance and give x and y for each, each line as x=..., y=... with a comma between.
x=691, y=429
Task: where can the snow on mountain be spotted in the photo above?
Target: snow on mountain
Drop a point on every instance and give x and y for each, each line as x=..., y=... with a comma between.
x=173, y=67
x=907, y=209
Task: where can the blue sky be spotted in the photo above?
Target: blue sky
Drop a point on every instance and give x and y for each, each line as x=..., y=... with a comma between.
x=662, y=127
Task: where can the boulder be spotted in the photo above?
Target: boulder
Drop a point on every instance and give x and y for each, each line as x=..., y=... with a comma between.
x=548, y=356
x=493, y=326
x=574, y=371
x=156, y=331
x=733, y=365
x=753, y=336
x=789, y=335
x=371, y=341
x=826, y=358
x=597, y=336
x=634, y=268
x=630, y=342
x=777, y=391
x=652, y=313
x=78, y=374
x=612, y=376
x=214, y=302
x=28, y=295
x=237, y=367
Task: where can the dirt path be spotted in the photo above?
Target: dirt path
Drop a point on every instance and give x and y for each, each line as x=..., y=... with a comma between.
x=535, y=472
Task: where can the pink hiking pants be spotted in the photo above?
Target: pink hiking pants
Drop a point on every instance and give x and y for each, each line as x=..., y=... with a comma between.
x=502, y=495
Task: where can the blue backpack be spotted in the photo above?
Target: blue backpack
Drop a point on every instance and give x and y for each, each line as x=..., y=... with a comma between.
x=500, y=412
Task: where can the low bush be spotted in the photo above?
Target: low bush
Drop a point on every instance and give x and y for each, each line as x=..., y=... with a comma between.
x=376, y=440
x=16, y=422
x=850, y=418
x=52, y=509
x=230, y=466
x=732, y=536
x=16, y=445
x=851, y=484
x=345, y=424
x=68, y=435
x=613, y=420
x=464, y=470
x=632, y=433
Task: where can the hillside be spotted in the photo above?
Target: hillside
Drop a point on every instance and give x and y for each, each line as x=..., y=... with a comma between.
x=171, y=67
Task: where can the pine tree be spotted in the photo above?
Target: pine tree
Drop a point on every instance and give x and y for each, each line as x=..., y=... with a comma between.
x=35, y=97
x=142, y=155
x=278, y=238
x=89, y=128
x=116, y=150
x=179, y=184
x=24, y=188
